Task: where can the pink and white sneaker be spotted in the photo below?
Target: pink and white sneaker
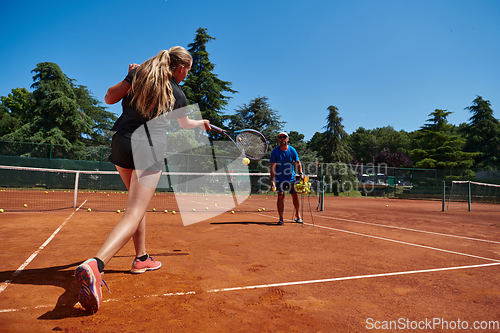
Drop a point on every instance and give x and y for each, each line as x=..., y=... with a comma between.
x=90, y=280
x=142, y=266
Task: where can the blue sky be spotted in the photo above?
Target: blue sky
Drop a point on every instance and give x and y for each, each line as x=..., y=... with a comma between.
x=380, y=62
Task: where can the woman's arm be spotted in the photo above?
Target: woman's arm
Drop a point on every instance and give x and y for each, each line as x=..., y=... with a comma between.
x=119, y=90
x=188, y=123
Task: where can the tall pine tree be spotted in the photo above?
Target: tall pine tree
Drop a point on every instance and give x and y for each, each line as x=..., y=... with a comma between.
x=57, y=112
x=483, y=134
x=438, y=146
x=202, y=86
x=336, y=148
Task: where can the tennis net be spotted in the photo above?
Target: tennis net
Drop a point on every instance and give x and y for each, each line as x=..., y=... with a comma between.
x=39, y=189
x=473, y=192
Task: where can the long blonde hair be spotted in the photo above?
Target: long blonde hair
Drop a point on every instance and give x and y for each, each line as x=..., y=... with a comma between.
x=151, y=89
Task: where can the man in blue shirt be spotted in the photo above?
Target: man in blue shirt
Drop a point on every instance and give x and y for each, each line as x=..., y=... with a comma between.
x=284, y=160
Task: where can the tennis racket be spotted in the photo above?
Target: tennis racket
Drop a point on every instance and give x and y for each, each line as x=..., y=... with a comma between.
x=249, y=142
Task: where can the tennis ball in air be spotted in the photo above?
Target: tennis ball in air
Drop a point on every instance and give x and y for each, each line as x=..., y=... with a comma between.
x=246, y=161
x=206, y=208
x=387, y=205
x=1, y=210
x=89, y=210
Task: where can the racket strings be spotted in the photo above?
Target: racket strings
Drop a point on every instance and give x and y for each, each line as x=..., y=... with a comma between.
x=252, y=144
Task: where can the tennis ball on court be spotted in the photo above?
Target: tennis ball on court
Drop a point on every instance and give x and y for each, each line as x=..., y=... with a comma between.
x=166, y=211
x=215, y=204
x=46, y=192
x=258, y=209
x=173, y=212
x=25, y=205
x=246, y=161
x=206, y=208
x=1, y=210
x=194, y=209
x=232, y=212
x=387, y=205
x=263, y=209
x=89, y=210
x=154, y=209
x=117, y=210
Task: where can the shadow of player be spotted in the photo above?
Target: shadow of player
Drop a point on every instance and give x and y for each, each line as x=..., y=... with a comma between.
x=62, y=276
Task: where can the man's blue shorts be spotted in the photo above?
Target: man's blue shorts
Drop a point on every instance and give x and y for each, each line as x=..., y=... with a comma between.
x=286, y=187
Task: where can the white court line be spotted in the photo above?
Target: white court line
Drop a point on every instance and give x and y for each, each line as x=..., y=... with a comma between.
x=410, y=229
x=397, y=241
x=31, y=257
x=345, y=278
x=284, y=284
x=405, y=243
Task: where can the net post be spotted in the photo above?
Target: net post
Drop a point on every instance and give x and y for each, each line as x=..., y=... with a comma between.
x=469, y=194
x=76, y=189
x=322, y=193
x=444, y=197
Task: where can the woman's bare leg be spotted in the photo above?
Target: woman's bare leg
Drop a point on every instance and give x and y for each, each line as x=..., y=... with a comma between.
x=133, y=223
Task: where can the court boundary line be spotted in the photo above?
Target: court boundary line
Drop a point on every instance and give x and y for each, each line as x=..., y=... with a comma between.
x=284, y=284
x=410, y=229
x=18, y=271
x=405, y=243
x=394, y=240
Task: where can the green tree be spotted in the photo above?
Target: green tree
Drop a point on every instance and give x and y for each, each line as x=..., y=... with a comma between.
x=365, y=144
x=483, y=134
x=96, y=115
x=258, y=115
x=15, y=110
x=317, y=142
x=439, y=147
x=336, y=148
x=202, y=86
x=58, y=111
x=335, y=152
x=306, y=154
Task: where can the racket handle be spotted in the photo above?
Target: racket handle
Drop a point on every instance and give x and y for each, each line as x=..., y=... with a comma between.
x=217, y=129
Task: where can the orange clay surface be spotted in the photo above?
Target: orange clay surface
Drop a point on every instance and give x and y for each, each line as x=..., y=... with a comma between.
x=354, y=267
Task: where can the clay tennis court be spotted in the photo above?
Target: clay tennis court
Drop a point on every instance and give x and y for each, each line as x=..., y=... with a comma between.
x=356, y=266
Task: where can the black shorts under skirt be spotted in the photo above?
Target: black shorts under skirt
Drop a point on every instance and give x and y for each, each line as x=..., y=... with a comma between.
x=121, y=152
x=141, y=154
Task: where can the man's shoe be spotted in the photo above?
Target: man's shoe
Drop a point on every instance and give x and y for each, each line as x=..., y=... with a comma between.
x=299, y=220
x=142, y=266
x=280, y=222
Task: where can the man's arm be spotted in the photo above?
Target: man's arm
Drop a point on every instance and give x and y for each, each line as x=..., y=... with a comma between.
x=273, y=173
x=298, y=167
